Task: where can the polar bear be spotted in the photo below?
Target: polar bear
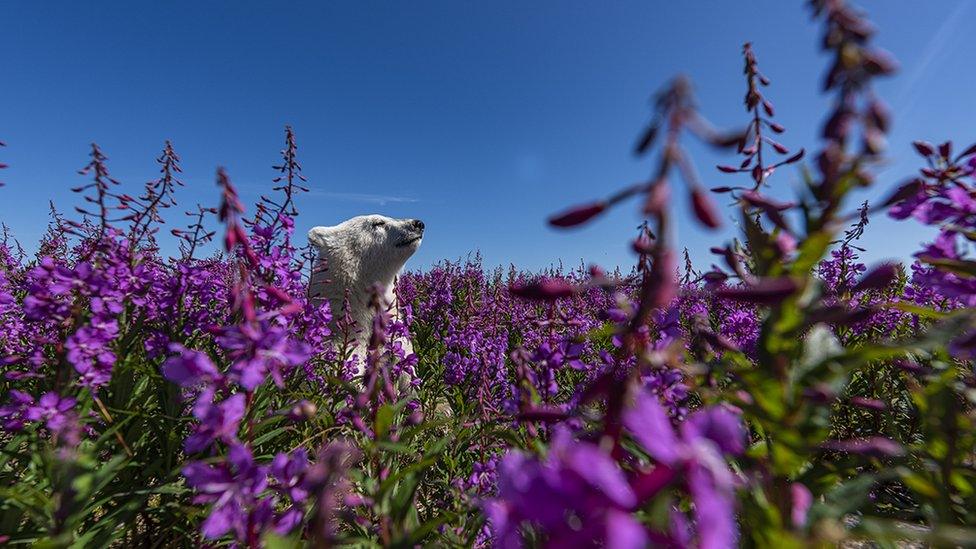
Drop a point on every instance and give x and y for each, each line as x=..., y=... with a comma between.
x=356, y=254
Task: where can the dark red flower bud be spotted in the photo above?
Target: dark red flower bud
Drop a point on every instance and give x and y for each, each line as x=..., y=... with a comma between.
x=832, y=76
x=874, y=141
x=543, y=413
x=879, y=277
x=839, y=315
x=945, y=150
x=769, y=206
x=923, y=148
x=727, y=169
x=879, y=115
x=752, y=99
x=578, y=215
x=717, y=341
x=820, y=393
x=543, y=289
x=704, y=209
x=838, y=126
x=768, y=107
x=646, y=139
x=777, y=128
x=912, y=367
x=725, y=140
x=795, y=158
x=642, y=245
x=766, y=291
x=907, y=190
x=779, y=147
x=721, y=190
x=657, y=197
x=879, y=62
x=715, y=277
x=874, y=446
x=868, y=403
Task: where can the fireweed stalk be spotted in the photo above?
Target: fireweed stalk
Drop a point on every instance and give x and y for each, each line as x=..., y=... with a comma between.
x=751, y=147
x=790, y=396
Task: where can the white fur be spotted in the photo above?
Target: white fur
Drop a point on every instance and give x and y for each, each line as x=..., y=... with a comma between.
x=356, y=254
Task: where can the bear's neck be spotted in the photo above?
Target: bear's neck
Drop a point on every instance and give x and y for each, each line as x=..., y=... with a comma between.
x=337, y=286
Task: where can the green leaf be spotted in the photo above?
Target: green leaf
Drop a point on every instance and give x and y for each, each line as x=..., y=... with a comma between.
x=274, y=541
x=961, y=267
x=384, y=419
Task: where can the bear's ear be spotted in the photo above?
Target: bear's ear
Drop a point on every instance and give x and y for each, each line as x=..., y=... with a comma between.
x=320, y=236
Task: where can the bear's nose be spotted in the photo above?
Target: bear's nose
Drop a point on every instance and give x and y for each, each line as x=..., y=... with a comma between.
x=418, y=224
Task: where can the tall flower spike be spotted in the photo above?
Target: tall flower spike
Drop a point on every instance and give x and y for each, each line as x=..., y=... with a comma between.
x=101, y=185
x=158, y=194
x=753, y=146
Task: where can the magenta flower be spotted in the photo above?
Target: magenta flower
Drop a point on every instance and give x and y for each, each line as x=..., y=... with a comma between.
x=190, y=367
x=53, y=409
x=578, y=215
x=291, y=472
x=234, y=487
x=260, y=349
x=13, y=414
x=876, y=446
x=577, y=479
x=801, y=500
x=544, y=289
x=88, y=351
x=218, y=422
x=697, y=450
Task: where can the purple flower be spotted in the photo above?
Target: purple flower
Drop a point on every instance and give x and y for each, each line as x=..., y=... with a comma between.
x=741, y=327
x=576, y=479
x=261, y=349
x=719, y=426
x=190, y=367
x=234, y=487
x=218, y=422
x=88, y=351
x=872, y=446
x=52, y=409
x=13, y=413
x=290, y=471
x=802, y=499
x=697, y=450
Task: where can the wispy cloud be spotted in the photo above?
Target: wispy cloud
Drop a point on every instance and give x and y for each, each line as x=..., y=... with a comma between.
x=910, y=91
x=365, y=198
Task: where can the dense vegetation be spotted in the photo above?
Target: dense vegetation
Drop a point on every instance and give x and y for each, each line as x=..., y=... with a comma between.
x=787, y=396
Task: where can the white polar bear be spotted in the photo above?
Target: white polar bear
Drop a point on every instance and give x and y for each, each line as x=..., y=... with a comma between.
x=354, y=255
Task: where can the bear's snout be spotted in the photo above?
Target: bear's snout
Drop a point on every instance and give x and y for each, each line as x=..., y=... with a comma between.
x=417, y=224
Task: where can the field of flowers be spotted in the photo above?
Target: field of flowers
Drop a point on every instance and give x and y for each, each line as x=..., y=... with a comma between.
x=787, y=396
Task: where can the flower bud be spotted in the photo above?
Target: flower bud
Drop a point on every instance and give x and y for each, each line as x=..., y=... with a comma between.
x=578, y=215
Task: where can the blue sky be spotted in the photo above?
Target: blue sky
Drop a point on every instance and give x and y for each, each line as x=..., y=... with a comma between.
x=481, y=118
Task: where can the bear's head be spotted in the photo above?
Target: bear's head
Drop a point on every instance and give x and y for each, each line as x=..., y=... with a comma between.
x=367, y=248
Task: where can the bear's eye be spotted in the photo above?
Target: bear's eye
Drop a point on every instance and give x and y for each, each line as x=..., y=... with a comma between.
x=378, y=224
